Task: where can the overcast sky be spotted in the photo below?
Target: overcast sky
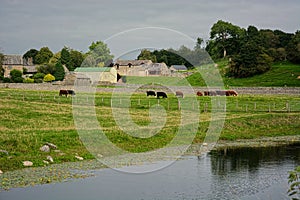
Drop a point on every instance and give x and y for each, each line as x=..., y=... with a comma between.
x=27, y=24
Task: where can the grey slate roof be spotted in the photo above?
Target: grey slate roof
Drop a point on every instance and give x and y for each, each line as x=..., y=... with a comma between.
x=13, y=60
x=179, y=67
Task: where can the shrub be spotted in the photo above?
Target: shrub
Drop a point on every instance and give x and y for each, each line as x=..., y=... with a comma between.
x=38, y=80
x=39, y=76
x=6, y=80
x=49, y=78
x=28, y=80
x=16, y=76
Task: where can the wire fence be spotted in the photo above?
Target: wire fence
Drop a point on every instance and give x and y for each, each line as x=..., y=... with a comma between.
x=203, y=104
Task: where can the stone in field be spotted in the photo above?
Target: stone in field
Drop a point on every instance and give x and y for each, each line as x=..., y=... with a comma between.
x=52, y=146
x=79, y=158
x=1, y=172
x=50, y=158
x=27, y=163
x=45, y=148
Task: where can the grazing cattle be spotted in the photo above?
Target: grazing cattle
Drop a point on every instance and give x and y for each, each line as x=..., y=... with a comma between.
x=161, y=94
x=66, y=92
x=199, y=93
x=179, y=94
x=210, y=93
x=221, y=92
x=231, y=93
x=150, y=93
x=71, y=92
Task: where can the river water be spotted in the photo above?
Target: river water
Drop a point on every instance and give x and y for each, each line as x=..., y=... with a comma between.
x=242, y=173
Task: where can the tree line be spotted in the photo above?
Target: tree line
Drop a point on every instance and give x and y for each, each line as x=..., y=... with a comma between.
x=250, y=51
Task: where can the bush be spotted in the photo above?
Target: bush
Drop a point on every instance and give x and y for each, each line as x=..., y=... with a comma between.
x=49, y=78
x=38, y=80
x=39, y=76
x=16, y=76
x=18, y=80
x=6, y=80
x=28, y=80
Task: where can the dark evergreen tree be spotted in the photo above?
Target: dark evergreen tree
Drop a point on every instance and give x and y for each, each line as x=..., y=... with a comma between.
x=59, y=73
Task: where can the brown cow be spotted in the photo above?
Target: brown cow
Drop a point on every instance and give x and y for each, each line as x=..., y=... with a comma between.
x=179, y=94
x=231, y=93
x=199, y=93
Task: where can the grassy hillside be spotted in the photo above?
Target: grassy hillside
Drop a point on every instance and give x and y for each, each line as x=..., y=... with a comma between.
x=280, y=75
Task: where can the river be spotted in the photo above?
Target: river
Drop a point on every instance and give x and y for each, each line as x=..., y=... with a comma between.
x=240, y=173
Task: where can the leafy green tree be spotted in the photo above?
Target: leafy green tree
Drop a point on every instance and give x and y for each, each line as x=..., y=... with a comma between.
x=251, y=59
x=43, y=56
x=16, y=76
x=99, y=54
x=46, y=68
x=147, y=55
x=76, y=59
x=55, y=58
x=224, y=34
x=59, y=73
x=31, y=54
x=293, y=49
x=49, y=78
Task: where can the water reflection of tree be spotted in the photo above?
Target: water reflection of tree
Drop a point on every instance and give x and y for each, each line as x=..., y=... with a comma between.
x=249, y=159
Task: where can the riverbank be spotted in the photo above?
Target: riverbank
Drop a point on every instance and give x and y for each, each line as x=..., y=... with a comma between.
x=72, y=170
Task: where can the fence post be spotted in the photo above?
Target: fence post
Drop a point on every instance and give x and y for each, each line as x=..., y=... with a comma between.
x=246, y=107
x=178, y=105
x=269, y=107
x=139, y=102
x=168, y=104
x=287, y=107
x=254, y=105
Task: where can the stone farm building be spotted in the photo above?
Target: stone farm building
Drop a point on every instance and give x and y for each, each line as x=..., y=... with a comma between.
x=17, y=62
x=178, y=68
x=96, y=74
x=141, y=68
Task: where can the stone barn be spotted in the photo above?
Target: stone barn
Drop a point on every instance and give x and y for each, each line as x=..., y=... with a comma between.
x=11, y=62
x=141, y=68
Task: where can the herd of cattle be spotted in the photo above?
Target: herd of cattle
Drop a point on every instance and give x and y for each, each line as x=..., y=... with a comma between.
x=164, y=95
x=205, y=93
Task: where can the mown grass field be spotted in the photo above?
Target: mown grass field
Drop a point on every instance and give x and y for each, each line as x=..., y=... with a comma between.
x=280, y=75
x=31, y=118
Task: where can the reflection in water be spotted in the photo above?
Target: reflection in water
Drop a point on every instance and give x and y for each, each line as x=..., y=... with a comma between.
x=234, y=159
x=243, y=173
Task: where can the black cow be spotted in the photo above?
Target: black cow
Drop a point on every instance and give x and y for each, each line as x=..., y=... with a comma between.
x=71, y=92
x=161, y=94
x=150, y=93
x=66, y=92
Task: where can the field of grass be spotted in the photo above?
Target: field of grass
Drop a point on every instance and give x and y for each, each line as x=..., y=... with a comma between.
x=280, y=75
x=31, y=118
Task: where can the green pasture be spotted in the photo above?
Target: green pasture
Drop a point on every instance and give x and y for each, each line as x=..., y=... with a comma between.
x=31, y=118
